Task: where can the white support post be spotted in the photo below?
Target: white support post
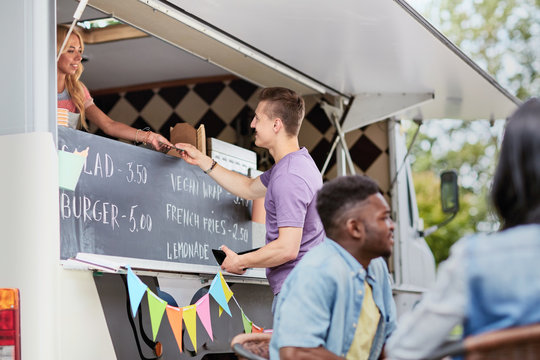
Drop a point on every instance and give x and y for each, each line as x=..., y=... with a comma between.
x=29, y=256
x=344, y=148
x=342, y=153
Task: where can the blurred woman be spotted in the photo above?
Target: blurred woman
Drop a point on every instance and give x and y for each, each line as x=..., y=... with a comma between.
x=489, y=282
x=74, y=96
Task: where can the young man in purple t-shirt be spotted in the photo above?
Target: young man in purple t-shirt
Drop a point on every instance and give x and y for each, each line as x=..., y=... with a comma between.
x=289, y=187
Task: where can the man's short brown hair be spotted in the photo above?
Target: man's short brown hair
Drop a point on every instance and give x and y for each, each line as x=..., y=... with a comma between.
x=284, y=104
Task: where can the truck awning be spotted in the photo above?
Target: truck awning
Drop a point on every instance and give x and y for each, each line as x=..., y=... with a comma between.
x=379, y=54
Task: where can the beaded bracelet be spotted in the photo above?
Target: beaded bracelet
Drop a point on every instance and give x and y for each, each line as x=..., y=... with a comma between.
x=214, y=163
x=145, y=141
x=136, y=135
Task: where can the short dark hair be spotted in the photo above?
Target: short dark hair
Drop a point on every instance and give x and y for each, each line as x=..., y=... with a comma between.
x=286, y=105
x=516, y=186
x=339, y=195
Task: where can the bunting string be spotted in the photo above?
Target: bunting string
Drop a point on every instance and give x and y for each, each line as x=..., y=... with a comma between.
x=219, y=291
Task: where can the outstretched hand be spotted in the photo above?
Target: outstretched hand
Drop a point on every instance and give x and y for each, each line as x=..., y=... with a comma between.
x=193, y=156
x=159, y=142
x=232, y=262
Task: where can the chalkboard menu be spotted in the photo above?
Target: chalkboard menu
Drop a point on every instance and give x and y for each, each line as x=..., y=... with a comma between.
x=139, y=203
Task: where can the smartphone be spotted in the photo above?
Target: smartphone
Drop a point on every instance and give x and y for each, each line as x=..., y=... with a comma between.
x=220, y=254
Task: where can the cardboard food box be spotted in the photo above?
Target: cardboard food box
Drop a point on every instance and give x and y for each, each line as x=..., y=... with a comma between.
x=186, y=133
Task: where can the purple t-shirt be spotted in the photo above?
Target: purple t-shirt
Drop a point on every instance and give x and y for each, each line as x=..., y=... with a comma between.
x=292, y=186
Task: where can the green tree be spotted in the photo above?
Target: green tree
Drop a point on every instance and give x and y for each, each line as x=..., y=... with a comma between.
x=503, y=37
x=472, y=158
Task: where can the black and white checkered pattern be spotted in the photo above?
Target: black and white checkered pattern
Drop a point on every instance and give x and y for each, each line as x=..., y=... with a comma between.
x=226, y=108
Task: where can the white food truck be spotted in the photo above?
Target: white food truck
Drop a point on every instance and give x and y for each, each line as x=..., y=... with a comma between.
x=362, y=65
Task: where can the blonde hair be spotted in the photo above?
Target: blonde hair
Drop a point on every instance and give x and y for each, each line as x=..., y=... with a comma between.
x=74, y=86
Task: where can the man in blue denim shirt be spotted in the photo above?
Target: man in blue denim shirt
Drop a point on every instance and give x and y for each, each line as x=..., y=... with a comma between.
x=337, y=302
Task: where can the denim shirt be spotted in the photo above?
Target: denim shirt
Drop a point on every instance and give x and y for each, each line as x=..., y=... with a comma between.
x=321, y=300
x=502, y=280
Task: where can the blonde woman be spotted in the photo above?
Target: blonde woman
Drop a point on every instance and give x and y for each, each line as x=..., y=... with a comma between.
x=74, y=96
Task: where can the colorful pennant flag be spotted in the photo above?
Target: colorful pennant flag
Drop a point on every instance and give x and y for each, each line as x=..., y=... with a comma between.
x=219, y=290
x=156, y=306
x=226, y=290
x=256, y=329
x=247, y=323
x=203, y=310
x=136, y=290
x=216, y=290
x=189, y=314
x=174, y=315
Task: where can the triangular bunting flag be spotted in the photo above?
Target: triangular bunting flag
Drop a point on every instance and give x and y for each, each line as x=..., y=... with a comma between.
x=174, y=315
x=216, y=290
x=203, y=310
x=190, y=319
x=226, y=290
x=156, y=306
x=247, y=323
x=136, y=290
x=256, y=329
